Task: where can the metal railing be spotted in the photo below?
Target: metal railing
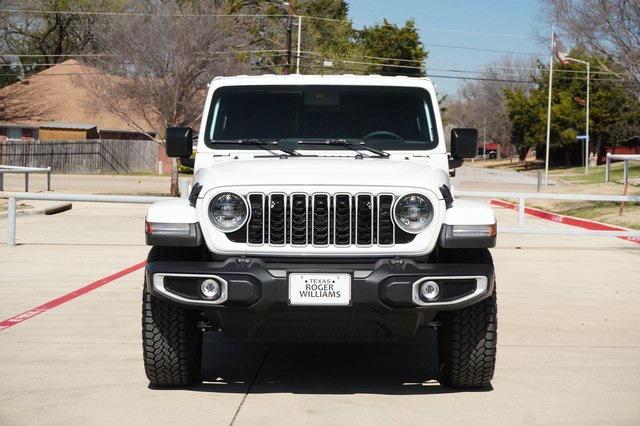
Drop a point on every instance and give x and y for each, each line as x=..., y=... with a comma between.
x=623, y=157
x=13, y=197
x=26, y=171
x=523, y=196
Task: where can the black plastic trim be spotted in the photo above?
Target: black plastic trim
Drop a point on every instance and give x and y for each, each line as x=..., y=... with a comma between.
x=369, y=280
x=381, y=307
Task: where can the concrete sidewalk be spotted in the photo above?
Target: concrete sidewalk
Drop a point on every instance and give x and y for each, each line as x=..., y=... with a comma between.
x=569, y=345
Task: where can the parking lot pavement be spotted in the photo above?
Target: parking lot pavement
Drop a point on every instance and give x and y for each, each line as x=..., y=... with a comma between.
x=569, y=344
x=93, y=184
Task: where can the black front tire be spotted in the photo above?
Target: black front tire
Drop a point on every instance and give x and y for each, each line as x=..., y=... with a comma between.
x=171, y=341
x=468, y=337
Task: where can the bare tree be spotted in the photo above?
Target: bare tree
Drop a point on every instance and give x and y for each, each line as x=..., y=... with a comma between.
x=159, y=64
x=610, y=28
x=53, y=34
x=482, y=103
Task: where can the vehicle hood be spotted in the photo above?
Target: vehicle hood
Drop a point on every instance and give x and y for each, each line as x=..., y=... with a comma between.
x=322, y=172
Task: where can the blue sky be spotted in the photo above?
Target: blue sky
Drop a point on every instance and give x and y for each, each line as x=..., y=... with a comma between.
x=455, y=22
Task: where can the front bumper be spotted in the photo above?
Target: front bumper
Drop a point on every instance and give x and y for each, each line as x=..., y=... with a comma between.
x=383, y=295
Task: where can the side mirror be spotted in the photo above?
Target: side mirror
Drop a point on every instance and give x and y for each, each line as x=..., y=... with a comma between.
x=464, y=143
x=179, y=142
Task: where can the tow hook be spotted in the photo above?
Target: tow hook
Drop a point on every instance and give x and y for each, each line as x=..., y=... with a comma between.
x=243, y=263
x=435, y=324
x=398, y=264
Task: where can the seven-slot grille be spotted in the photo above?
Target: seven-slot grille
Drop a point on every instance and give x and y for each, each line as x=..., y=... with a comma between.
x=320, y=220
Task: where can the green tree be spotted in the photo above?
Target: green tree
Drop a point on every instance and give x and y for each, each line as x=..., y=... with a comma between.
x=614, y=113
x=526, y=125
x=326, y=33
x=403, y=44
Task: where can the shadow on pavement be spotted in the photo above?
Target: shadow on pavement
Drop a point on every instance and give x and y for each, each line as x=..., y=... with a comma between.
x=407, y=367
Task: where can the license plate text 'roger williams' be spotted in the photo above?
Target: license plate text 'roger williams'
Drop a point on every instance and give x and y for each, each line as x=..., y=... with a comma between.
x=319, y=289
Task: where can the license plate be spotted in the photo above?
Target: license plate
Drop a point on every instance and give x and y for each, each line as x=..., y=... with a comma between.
x=319, y=289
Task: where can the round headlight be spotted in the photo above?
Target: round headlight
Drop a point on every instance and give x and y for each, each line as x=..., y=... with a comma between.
x=228, y=212
x=413, y=213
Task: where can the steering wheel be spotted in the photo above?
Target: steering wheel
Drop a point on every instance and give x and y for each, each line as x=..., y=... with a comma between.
x=373, y=135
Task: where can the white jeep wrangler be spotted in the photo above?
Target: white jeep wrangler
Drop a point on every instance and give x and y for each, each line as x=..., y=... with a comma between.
x=320, y=210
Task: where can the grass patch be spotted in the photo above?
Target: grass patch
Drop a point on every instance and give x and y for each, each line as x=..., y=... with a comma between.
x=597, y=173
x=607, y=212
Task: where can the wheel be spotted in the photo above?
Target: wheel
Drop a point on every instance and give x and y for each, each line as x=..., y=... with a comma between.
x=468, y=337
x=171, y=342
x=493, y=155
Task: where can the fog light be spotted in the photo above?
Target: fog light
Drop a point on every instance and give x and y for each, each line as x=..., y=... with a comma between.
x=211, y=289
x=429, y=290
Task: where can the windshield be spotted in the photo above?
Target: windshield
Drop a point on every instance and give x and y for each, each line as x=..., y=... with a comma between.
x=389, y=118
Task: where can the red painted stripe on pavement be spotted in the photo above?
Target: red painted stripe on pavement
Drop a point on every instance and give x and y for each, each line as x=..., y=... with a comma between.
x=567, y=220
x=17, y=319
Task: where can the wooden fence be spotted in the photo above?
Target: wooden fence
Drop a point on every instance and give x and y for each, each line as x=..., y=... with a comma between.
x=84, y=157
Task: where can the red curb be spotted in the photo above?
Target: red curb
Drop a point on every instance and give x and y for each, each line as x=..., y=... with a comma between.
x=17, y=319
x=567, y=220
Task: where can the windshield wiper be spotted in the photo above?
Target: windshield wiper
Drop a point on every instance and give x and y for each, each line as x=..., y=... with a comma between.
x=262, y=143
x=353, y=144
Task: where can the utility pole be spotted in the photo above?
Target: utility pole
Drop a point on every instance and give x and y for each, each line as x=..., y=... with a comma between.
x=484, y=139
x=288, y=28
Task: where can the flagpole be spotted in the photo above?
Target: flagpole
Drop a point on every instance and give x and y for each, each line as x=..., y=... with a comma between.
x=546, y=156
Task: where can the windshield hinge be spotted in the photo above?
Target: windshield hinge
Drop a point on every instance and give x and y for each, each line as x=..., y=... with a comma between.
x=195, y=192
x=446, y=194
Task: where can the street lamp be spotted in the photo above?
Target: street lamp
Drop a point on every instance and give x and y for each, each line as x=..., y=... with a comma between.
x=586, y=154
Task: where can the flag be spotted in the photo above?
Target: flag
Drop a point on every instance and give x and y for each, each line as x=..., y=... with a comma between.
x=559, y=51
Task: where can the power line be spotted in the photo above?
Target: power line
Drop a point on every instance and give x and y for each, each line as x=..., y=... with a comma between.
x=355, y=62
x=232, y=52
x=90, y=55
x=69, y=55
x=504, y=80
x=140, y=13
x=446, y=30
x=492, y=70
x=395, y=59
x=344, y=60
x=55, y=75
x=498, y=80
x=266, y=67
x=241, y=15
x=431, y=29
x=482, y=49
x=379, y=64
